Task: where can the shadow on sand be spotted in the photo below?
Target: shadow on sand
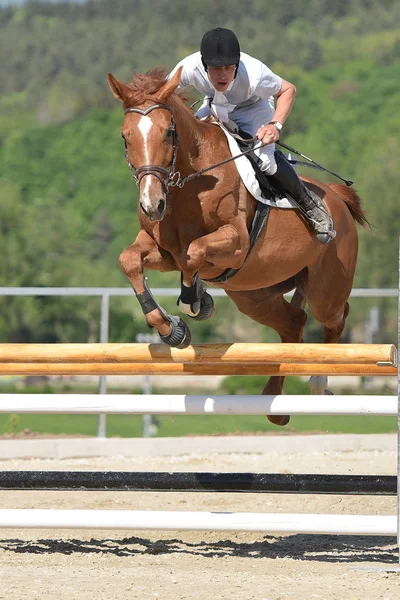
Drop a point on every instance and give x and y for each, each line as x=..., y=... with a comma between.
x=323, y=548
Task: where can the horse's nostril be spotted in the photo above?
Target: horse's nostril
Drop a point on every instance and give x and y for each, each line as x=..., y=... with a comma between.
x=144, y=210
x=161, y=206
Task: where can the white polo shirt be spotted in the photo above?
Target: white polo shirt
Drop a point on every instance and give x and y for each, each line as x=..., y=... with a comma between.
x=253, y=81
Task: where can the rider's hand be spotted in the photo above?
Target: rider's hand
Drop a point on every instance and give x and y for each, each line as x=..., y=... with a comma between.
x=268, y=134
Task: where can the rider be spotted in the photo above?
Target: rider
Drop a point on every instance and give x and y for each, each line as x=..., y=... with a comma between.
x=240, y=88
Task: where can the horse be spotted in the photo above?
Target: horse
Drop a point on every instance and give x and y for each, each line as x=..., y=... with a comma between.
x=199, y=225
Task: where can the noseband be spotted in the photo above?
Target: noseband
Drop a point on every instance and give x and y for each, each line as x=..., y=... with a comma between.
x=167, y=177
x=170, y=177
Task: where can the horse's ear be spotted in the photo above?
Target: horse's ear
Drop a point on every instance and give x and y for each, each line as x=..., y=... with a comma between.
x=170, y=86
x=120, y=90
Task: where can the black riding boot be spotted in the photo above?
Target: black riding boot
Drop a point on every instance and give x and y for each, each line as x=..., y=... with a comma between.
x=308, y=201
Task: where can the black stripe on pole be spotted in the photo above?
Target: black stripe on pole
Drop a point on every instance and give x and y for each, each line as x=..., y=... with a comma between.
x=381, y=485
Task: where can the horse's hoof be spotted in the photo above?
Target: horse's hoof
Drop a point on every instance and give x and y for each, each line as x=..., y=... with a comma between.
x=328, y=393
x=207, y=308
x=180, y=336
x=280, y=420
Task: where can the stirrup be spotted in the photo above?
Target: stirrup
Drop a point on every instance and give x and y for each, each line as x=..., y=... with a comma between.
x=325, y=236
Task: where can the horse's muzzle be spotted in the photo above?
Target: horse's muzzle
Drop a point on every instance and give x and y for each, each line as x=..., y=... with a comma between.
x=154, y=214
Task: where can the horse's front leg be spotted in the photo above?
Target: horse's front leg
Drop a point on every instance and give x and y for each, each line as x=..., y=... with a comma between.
x=195, y=301
x=223, y=248
x=145, y=254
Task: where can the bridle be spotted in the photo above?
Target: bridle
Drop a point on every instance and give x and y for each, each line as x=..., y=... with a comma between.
x=167, y=177
x=171, y=178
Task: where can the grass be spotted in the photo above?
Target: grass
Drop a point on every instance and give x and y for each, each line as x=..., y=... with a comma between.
x=176, y=426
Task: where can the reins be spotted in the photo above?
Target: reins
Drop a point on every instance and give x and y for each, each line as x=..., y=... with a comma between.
x=171, y=178
x=182, y=180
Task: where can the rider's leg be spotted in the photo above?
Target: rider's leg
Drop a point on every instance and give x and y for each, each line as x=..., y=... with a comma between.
x=310, y=202
x=278, y=166
x=249, y=119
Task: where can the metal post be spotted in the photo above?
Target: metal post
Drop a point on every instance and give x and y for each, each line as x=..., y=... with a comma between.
x=104, y=321
x=147, y=420
x=372, y=328
x=398, y=418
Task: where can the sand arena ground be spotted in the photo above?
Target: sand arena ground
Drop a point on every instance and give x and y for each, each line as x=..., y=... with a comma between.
x=173, y=565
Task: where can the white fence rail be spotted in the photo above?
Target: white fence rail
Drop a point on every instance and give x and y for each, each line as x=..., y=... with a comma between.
x=105, y=293
x=197, y=405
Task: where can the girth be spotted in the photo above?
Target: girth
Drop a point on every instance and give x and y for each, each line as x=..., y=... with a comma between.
x=257, y=226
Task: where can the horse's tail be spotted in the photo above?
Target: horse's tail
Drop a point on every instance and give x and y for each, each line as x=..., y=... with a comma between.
x=353, y=203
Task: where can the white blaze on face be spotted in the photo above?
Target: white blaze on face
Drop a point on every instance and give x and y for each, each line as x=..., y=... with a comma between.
x=145, y=125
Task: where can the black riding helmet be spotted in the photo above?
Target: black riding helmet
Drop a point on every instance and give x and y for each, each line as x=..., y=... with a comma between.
x=220, y=48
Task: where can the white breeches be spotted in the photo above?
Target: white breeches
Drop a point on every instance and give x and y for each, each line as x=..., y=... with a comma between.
x=249, y=119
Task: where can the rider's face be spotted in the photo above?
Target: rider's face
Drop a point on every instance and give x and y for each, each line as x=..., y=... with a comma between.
x=221, y=77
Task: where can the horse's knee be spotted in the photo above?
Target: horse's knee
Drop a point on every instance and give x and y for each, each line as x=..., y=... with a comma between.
x=129, y=261
x=196, y=254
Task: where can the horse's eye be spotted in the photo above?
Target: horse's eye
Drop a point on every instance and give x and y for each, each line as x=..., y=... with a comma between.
x=169, y=132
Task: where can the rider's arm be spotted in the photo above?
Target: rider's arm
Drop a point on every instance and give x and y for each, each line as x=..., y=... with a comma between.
x=204, y=111
x=285, y=100
x=285, y=95
x=192, y=76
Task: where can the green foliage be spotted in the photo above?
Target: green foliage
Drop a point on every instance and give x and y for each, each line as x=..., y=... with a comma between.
x=59, y=53
x=253, y=385
x=68, y=202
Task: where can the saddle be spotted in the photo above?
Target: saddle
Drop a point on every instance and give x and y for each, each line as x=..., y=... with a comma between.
x=270, y=188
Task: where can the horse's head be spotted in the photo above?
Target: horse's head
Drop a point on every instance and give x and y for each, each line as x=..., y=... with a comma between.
x=150, y=136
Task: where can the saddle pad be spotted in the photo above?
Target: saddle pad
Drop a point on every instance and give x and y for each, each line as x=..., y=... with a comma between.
x=248, y=177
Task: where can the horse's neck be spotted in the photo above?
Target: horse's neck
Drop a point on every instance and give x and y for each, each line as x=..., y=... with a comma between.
x=192, y=136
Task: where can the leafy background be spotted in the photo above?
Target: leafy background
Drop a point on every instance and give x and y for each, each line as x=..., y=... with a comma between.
x=68, y=204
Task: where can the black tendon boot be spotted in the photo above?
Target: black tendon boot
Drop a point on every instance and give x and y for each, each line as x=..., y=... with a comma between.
x=308, y=201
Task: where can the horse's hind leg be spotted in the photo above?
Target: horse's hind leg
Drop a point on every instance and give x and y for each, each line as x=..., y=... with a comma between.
x=295, y=311
x=268, y=307
x=318, y=383
x=327, y=289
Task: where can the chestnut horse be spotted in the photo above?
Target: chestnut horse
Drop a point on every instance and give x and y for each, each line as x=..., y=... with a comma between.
x=201, y=228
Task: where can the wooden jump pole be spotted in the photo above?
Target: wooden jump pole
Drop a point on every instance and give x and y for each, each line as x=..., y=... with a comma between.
x=176, y=368
x=363, y=354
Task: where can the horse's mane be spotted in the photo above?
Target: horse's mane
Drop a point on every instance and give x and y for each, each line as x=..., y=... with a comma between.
x=144, y=86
